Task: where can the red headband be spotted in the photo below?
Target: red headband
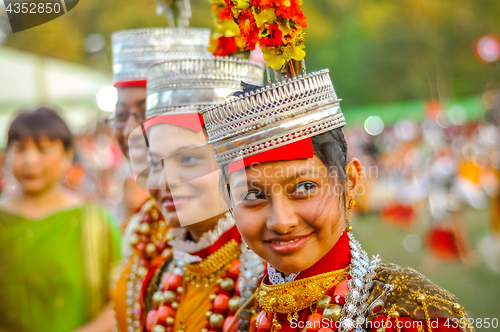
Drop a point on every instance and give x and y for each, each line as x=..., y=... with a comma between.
x=302, y=149
x=127, y=84
x=193, y=121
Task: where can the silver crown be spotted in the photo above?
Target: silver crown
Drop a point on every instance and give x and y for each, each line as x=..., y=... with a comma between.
x=273, y=116
x=136, y=50
x=193, y=84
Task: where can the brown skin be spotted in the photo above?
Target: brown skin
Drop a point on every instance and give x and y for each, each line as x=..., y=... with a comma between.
x=131, y=100
x=104, y=322
x=40, y=169
x=287, y=201
x=191, y=183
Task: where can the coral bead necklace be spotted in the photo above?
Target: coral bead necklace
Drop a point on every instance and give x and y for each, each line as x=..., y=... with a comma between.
x=221, y=269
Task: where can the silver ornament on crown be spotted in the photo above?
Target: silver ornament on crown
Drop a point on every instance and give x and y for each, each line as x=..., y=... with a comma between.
x=134, y=51
x=273, y=116
x=189, y=85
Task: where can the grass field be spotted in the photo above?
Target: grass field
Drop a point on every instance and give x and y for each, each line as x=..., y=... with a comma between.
x=476, y=286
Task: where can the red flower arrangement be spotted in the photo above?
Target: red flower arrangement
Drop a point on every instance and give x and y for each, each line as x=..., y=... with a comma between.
x=226, y=39
x=275, y=25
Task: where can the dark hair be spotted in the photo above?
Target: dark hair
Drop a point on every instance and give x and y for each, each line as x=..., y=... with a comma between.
x=41, y=122
x=330, y=147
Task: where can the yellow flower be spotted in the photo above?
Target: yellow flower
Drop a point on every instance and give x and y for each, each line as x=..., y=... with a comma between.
x=285, y=27
x=213, y=45
x=240, y=41
x=228, y=28
x=274, y=56
x=242, y=4
x=294, y=51
x=265, y=16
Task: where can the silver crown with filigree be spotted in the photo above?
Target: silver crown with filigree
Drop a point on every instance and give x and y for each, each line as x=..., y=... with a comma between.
x=193, y=84
x=273, y=116
x=134, y=51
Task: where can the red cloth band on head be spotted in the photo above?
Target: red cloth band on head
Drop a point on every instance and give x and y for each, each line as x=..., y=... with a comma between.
x=302, y=149
x=193, y=121
x=126, y=84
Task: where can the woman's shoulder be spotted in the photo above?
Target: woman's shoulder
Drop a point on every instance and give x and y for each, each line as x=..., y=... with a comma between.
x=6, y=202
x=409, y=293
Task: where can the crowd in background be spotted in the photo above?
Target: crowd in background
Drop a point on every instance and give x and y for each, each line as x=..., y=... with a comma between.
x=416, y=174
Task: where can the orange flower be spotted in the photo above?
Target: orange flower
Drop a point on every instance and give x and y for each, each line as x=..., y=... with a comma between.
x=263, y=4
x=248, y=28
x=290, y=9
x=229, y=4
x=226, y=14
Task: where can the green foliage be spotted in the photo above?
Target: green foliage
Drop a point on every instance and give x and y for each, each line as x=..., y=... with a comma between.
x=377, y=50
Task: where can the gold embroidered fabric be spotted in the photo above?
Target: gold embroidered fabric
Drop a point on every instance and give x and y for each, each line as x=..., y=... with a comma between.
x=212, y=267
x=95, y=239
x=413, y=296
x=297, y=295
x=154, y=284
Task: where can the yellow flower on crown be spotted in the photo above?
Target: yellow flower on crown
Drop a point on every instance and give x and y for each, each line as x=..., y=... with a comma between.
x=265, y=16
x=285, y=27
x=227, y=29
x=274, y=56
x=295, y=51
x=242, y=4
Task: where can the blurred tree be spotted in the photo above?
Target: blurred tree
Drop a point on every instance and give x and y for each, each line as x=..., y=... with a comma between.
x=377, y=50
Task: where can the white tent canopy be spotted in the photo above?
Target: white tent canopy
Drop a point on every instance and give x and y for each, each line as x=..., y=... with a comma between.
x=28, y=79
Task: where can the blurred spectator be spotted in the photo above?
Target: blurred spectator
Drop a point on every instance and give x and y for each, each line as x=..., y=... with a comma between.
x=56, y=248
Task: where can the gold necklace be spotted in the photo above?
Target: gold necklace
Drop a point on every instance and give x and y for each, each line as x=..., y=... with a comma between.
x=292, y=297
x=210, y=269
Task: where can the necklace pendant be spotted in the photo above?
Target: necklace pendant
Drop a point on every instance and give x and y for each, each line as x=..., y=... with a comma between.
x=276, y=324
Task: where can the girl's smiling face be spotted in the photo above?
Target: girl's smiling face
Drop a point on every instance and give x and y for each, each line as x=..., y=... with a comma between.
x=39, y=165
x=187, y=184
x=291, y=213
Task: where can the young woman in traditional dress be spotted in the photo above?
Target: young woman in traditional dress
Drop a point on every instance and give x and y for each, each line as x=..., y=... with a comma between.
x=292, y=187
x=210, y=272
x=133, y=52
x=57, y=250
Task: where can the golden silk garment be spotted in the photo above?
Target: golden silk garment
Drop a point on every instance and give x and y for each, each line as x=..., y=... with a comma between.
x=226, y=258
x=411, y=297
x=192, y=309
x=119, y=298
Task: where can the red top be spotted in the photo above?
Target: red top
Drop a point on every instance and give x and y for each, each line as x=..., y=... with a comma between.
x=338, y=258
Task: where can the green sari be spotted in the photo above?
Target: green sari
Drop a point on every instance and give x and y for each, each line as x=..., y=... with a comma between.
x=55, y=271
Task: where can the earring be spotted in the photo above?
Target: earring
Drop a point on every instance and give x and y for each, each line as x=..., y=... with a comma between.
x=352, y=203
x=248, y=248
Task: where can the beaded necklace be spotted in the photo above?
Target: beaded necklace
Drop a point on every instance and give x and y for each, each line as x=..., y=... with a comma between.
x=235, y=271
x=324, y=294
x=149, y=244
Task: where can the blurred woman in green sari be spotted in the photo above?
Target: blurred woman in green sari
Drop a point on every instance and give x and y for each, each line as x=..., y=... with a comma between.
x=56, y=249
